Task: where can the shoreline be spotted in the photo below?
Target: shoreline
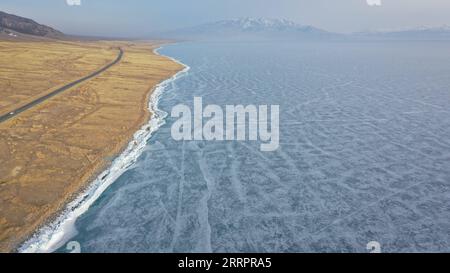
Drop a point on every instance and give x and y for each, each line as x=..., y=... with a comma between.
x=59, y=229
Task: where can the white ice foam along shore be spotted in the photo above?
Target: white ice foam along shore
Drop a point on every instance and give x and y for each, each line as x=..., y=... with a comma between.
x=57, y=233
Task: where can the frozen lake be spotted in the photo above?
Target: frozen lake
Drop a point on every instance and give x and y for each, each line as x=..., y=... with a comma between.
x=364, y=156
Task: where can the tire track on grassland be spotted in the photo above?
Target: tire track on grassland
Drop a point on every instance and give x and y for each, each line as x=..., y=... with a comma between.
x=44, y=98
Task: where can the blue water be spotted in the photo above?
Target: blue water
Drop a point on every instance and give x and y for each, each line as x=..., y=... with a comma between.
x=364, y=156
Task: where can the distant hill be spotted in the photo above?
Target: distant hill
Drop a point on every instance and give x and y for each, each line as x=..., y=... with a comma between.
x=419, y=33
x=15, y=25
x=250, y=29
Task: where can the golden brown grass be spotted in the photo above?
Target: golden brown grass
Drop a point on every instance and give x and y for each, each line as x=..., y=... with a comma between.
x=50, y=152
x=29, y=70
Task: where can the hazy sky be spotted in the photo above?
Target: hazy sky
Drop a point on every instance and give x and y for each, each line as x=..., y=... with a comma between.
x=141, y=17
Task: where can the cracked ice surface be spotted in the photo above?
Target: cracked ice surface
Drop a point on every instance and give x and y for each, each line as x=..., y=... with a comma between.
x=364, y=156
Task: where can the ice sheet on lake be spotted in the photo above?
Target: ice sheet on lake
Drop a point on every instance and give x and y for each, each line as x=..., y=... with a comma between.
x=364, y=156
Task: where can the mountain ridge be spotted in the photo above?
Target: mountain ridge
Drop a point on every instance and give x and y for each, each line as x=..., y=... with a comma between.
x=250, y=28
x=13, y=25
x=416, y=33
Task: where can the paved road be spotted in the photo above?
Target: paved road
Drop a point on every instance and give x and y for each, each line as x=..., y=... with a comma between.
x=59, y=90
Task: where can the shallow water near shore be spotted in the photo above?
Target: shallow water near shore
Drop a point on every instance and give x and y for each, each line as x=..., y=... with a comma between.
x=364, y=156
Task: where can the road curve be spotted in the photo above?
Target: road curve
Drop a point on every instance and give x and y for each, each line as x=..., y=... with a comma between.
x=22, y=109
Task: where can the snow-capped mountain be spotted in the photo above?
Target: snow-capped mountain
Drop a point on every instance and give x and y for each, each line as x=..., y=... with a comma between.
x=250, y=29
x=418, y=33
x=258, y=25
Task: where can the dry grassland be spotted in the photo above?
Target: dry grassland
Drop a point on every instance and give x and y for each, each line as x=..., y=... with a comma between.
x=52, y=151
x=30, y=70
